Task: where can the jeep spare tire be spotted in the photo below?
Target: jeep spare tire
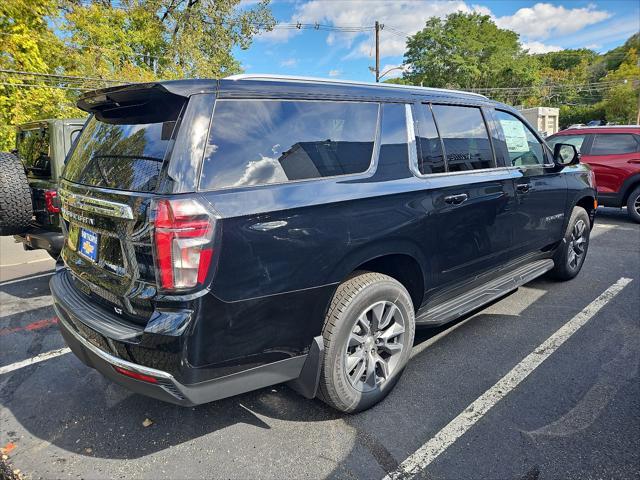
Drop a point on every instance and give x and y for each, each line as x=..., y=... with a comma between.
x=16, y=209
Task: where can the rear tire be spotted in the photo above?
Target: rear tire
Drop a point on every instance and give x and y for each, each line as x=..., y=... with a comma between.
x=368, y=336
x=633, y=205
x=571, y=253
x=16, y=209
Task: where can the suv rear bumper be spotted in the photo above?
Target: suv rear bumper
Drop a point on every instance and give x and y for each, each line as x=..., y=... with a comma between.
x=165, y=386
x=38, y=238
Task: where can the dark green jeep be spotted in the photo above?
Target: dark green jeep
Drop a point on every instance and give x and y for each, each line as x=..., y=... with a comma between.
x=29, y=204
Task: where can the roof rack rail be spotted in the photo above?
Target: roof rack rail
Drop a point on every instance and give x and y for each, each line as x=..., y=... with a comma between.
x=292, y=78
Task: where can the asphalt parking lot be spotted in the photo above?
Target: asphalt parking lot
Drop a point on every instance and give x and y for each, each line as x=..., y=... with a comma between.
x=574, y=414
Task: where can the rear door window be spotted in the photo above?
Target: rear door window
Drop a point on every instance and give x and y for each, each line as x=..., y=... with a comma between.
x=260, y=142
x=465, y=137
x=429, y=146
x=614, y=144
x=33, y=150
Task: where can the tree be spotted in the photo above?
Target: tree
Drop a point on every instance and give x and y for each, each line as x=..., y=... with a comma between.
x=621, y=101
x=127, y=40
x=467, y=51
x=166, y=38
x=28, y=45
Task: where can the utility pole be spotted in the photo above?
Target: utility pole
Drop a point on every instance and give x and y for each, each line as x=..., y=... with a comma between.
x=377, y=51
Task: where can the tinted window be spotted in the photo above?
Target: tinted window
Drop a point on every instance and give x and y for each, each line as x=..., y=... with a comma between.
x=257, y=142
x=429, y=147
x=575, y=140
x=393, y=136
x=465, y=138
x=613, y=143
x=121, y=156
x=33, y=150
x=522, y=146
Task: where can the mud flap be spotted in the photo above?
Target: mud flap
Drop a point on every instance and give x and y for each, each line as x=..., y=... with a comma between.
x=307, y=383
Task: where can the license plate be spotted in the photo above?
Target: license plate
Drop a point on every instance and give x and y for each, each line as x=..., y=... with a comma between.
x=88, y=244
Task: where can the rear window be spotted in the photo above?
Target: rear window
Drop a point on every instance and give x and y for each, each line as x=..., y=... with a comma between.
x=123, y=156
x=260, y=142
x=33, y=150
x=614, y=144
x=465, y=137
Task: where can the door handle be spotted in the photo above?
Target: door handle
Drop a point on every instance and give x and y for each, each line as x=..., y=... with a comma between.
x=456, y=199
x=523, y=187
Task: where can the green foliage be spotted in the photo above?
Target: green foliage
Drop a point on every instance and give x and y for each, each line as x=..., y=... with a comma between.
x=141, y=40
x=621, y=101
x=572, y=114
x=467, y=51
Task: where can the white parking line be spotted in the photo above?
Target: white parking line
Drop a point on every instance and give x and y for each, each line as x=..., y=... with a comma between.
x=426, y=454
x=25, y=279
x=30, y=361
x=37, y=260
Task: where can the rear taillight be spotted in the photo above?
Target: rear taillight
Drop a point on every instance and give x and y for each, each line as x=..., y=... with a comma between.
x=183, y=243
x=51, y=202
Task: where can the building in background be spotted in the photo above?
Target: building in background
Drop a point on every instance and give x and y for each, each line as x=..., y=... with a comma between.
x=545, y=119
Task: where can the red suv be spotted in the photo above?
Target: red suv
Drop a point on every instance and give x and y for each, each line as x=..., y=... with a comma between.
x=613, y=152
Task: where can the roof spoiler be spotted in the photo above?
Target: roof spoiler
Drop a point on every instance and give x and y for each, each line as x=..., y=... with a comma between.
x=134, y=103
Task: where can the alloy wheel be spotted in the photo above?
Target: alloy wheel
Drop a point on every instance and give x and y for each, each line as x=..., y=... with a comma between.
x=577, y=244
x=375, y=345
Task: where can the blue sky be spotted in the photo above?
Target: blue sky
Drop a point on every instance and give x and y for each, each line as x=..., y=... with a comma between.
x=543, y=26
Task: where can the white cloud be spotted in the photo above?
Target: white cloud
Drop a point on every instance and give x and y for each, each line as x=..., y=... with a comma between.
x=335, y=73
x=613, y=31
x=407, y=16
x=544, y=19
x=289, y=62
x=539, y=47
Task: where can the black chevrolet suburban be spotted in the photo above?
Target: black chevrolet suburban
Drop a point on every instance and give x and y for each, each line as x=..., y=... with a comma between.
x=226, y=235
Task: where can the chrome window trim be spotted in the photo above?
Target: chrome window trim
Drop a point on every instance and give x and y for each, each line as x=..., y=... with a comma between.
x=373, y=164
x=480, y=171
x=95, y=205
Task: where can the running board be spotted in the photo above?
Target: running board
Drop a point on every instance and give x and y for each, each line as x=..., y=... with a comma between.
x=483, y=294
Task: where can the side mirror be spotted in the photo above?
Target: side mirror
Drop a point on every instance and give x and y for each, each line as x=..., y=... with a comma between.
x=565, y=154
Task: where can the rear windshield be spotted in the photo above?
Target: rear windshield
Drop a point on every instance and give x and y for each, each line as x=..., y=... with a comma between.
x=33, y=150
x=123, y=156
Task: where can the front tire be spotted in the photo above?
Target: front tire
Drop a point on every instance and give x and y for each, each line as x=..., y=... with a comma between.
x=633, y=205
x=571, y=253
x=368, y=336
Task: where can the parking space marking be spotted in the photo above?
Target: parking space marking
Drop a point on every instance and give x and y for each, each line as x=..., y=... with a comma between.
x=446, y=437
x=31, y=327
x=31, y=277
x=37, y=260
x=11, y=305
x=37, y=359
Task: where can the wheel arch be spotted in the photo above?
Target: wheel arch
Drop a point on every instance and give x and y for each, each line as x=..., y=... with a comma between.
x=400, y=260
x=628, y=186
x=588, y=203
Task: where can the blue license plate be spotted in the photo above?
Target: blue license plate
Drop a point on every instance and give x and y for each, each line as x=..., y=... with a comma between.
x=88, y=244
